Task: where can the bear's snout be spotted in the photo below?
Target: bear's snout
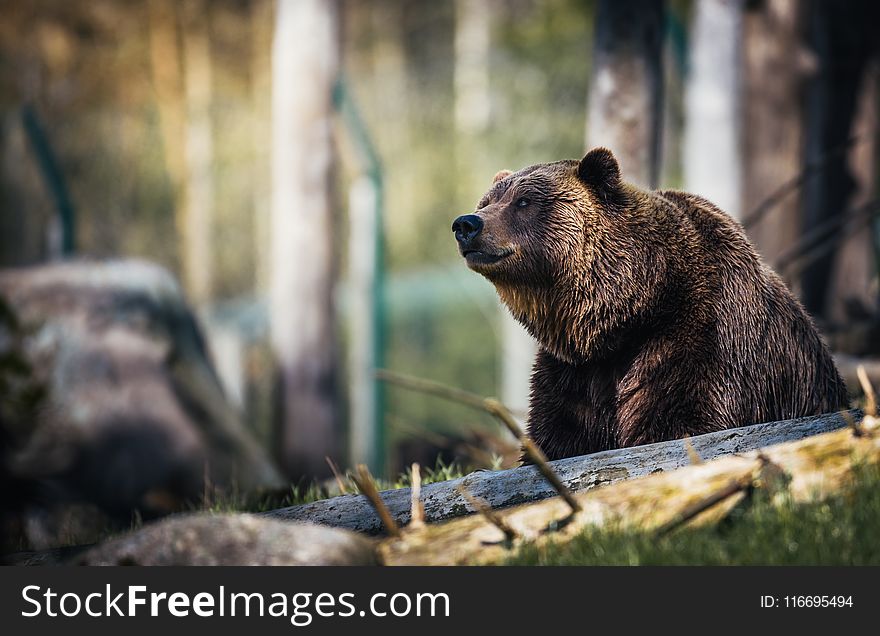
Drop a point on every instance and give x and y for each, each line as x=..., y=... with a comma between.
x=466, y=228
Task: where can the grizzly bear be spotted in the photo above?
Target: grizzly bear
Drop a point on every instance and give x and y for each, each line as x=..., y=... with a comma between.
x=655, y=316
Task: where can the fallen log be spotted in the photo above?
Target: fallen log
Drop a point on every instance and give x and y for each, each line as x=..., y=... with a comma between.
x=807, y=470
x=505, y=488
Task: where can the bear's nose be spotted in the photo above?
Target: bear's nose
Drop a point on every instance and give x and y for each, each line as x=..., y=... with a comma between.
x=466, y=227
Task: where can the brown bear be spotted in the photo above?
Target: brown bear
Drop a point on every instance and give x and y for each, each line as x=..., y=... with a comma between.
x=655, y=316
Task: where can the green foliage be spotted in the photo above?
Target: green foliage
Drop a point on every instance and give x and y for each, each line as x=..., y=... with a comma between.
x=839, y=531
x=454, y=344
x=541, y=65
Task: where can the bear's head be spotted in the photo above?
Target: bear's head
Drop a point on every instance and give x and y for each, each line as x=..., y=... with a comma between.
x=568, y=247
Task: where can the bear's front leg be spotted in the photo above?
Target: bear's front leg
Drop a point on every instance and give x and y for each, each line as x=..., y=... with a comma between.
x=571, y=408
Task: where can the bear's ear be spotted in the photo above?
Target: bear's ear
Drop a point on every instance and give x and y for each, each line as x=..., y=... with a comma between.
x=501, y=175
x=599, y=171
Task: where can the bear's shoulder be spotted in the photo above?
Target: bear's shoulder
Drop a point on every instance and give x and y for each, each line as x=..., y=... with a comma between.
x=714, y=225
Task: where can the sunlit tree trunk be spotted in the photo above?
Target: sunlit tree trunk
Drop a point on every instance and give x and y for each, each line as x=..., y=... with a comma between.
x=165, y=67
x=198, y=197
x=472, y=35
x=712, y=159
x=305, y=64
x=262, y=20
x=366, y=437
x=626, y=87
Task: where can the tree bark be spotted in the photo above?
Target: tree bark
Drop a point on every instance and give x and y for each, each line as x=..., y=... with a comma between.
x=626, y=87
x=842, y=35
x=472, y=36
x=366, y=441
x=262, y=16
x=775, y=63
x=27, y=211
x=504, y=488
x=806, y=470
x=712, y=96
x=165, y=67
x=852, y=285
x=518, y=350
x=197, y=211
x=305, y=64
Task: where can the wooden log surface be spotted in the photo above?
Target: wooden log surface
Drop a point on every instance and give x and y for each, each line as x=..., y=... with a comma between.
x=504, y=488
x=810, y=469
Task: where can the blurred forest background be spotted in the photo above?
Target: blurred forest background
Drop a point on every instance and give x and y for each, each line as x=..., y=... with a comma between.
x=296, y=166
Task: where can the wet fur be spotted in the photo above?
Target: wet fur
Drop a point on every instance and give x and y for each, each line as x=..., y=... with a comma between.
x=655, y=316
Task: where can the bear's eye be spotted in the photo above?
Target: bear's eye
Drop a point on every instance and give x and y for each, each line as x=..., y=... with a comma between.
x=522, y=202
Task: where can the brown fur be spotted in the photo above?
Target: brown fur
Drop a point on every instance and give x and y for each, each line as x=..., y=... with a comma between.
x=655, y=316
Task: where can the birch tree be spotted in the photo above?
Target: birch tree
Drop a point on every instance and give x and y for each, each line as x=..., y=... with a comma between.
x=711, y=155
x=305, y=64
x=626, y=87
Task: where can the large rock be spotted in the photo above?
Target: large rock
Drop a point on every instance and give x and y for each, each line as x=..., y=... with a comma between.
x=206, y=539
x=109, y=401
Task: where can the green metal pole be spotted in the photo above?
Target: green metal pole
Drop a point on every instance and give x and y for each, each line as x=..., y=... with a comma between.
x=53, y=177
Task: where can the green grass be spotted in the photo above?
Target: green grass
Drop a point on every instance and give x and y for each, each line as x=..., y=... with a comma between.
x=295, y=495
x=839, y=531
x=440, y=472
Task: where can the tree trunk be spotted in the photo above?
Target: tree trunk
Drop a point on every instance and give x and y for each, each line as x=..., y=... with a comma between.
x=262, y=20
x=626, y=87
x=472, y=35
x=808, y=470
x=198, y=198
x=26, y=210
x=518, y=350
x=842, y=35
x=775, y=63
x=519, y=485
x=165, y=67
x=853, y=289
x=366, y=438
x=711, y=145
x=305, y=64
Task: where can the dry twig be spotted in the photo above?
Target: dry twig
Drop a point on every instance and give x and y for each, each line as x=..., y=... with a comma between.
x=693, y=455
x=852, y=424
x=870, y=396
x=417, y=510
x=336, y=475
x=736, y=485
x=493, y=407
x=488, y=514
x=367, y=487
